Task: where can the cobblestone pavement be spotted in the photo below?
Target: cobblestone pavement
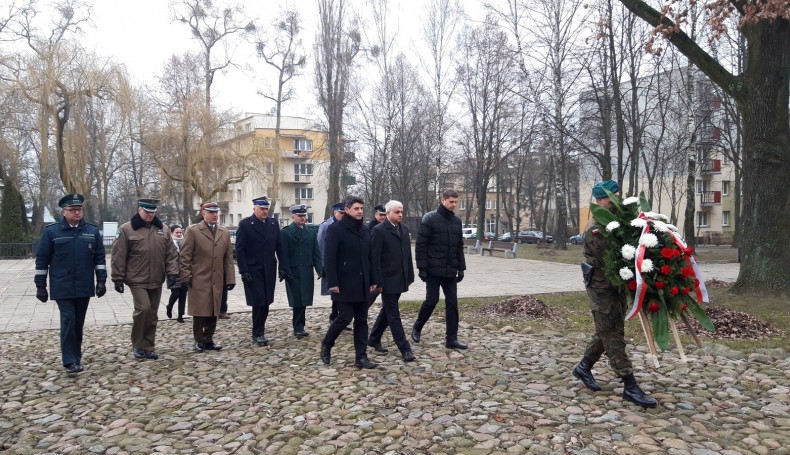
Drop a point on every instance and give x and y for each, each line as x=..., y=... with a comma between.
x=509, y=393
x=485, y=276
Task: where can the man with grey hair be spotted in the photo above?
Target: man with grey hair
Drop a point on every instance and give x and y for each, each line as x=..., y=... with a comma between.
x=393, y=270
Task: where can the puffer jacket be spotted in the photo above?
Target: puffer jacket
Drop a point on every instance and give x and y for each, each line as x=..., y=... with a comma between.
x=440, y=244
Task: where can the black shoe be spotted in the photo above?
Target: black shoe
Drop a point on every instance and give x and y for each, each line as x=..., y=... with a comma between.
x=224, y=316
x=200, y=347
x=415, y=335
x=73, y=368
x=408, y=356
x=634, y=394
x=378, y=347
x=151, y=355
x=180, y=319
x=261, y=340
x=211, y=346
x=326, y=356
x=170, y=311
x=301, y=334
x=138, y=353
x=365, y=363
x=454, y=344
x=583, y=373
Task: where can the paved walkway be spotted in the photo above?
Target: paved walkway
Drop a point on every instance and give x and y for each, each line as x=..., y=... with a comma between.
x=485, y=276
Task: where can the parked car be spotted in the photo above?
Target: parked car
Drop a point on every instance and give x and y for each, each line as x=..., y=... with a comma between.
x=489, y=236
x=534, y=237
x=506, y=237
x=469, y=233
x=575, y=239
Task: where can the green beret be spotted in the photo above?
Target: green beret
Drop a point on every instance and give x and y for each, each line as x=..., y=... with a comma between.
x=149, y=205
x=610, y=185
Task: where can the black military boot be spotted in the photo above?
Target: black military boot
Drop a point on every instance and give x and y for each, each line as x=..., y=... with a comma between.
x=583, y=372
x=326, y=353
x=634, y=394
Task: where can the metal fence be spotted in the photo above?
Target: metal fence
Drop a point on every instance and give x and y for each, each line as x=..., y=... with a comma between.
x=18, y=250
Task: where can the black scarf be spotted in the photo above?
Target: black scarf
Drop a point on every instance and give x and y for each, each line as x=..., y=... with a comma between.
x=137, y=222
x=443, y=210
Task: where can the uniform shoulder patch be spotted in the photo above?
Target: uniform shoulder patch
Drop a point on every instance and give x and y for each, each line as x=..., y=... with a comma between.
x=118, y=233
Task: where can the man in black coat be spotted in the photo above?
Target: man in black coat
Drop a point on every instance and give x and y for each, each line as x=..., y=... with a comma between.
x=257, y=241
x=379, y=215
x=392, y=268
x=440, y=259
x=347, y=267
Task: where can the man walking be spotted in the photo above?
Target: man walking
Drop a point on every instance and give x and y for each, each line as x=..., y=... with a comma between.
x=258, y=240
x=207, y=272
x=347, y=265
x=303, y=257
x=338, y=210
x=608, y=305
x=71, y=251
x=392, y=268
x=440, y=259
x=143, y=255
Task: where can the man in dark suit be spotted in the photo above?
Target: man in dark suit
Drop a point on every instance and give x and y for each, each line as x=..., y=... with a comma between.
x=392, y=268
x=347, y=267
x=257, y=241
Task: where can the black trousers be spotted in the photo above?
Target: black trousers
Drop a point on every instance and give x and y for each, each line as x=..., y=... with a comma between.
x=450, y=288
x=299, y=317
x=371, y=300
x=333, y=314
x=223, y=305
x=203, y=328
x=358, y=311
x=389, y=316
x=259, y=315
x=180, y=295
x=373, y=296
x=72, y=320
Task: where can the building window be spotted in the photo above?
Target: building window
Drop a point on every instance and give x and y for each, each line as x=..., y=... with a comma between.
x=231, y=219
x=462, y=204
x=270, y=167
x=303, y=145
x=309, y=218
x=238, y=195
x=270, y=143
x=303, y=169
x=725, y=188
x=701, y=187
x=490, y=205
x=725, y=218
x=238, y=217
x=304, y=193
x=702, y=219
x=222, y=219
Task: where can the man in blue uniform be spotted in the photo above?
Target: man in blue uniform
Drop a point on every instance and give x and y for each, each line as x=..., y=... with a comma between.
x=303, y=258
x=258, y=240
x=71, y=251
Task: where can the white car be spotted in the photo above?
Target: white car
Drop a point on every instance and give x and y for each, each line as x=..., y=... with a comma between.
x=469, y=233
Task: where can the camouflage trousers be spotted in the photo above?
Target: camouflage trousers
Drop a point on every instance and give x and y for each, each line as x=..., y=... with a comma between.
x=608, y=311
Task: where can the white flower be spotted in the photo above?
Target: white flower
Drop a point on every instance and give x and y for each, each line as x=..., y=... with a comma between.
x=651, y=215
x=630, y=200
x=660, y=226
x=649, y=240
x=638, y=222
x=612, y=226
x=628, y=252
x=647, y=266
x=661, y=216
x=672, y=227
x=626, y=274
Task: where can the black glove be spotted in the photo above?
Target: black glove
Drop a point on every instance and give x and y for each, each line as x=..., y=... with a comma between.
x=186, y=284
x=246, y=277
x=285, y=276
x=118, y=286
x=423, y=275
x=171, y=281
x=320, y=275
x=460, y=277
x=41, y=294
x=101, y=289
x=230, y=286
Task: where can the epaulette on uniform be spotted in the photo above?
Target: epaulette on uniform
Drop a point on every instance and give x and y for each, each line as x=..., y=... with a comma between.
x=91, y=224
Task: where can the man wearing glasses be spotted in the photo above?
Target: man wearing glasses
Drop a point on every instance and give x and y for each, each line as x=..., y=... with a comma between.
x=70, y=252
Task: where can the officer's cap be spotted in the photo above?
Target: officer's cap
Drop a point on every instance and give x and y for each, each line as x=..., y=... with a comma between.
x=149, y=205
x=339, y=206
x=598, y=190
x=210, y=207
x=300, y=209
x=262, y=201
x=380, y=209
x=71, y=199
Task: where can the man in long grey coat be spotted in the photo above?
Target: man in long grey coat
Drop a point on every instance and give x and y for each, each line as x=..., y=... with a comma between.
x=303, y=258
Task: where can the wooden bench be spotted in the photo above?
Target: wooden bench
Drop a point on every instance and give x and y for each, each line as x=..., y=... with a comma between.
x=472, y=246
x=510, y=250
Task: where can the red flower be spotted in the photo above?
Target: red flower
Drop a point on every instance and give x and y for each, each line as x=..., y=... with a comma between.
x=667, y=253
x=696, y=282
x=677, y=253
x=687, y=272
x=686, y=291
x=660, y=285
x=674, y=290
x=632, y=285
x=653, y=307
x=683, y=307
x=666, y=270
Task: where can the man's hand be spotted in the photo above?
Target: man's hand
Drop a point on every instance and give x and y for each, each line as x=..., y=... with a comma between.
x=373, y=287
x=335, y=290
x=460, y=277
x=171, y=281
x=118, y=286
x=246, y=277
x=101, y=289
x=284, y=275
x=42, y=294
x=320, y=275
x=423, y=275
x=230, y=286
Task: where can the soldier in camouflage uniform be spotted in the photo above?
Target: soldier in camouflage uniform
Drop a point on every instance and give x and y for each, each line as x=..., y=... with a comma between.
x=608, y=305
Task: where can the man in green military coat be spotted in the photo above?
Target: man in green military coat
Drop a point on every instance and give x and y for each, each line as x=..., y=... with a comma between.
x=303, y=257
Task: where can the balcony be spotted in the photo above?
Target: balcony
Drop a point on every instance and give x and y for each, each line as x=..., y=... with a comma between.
x=708, y=167
x=298, y=154
x=296, y=178
x=710, y=198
